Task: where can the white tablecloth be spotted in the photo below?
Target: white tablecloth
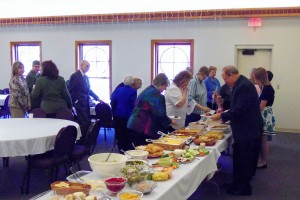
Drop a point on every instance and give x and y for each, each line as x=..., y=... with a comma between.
x=2, y=99
x=24, y=136
x=185, y=179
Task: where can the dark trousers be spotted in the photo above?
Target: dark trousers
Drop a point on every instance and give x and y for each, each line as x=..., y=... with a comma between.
x=245, y=157
x=83, y=119
x=193, y=117
x=121, y=133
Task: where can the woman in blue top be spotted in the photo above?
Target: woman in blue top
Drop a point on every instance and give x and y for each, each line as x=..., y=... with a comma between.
x=212, y=86
x=122, y=104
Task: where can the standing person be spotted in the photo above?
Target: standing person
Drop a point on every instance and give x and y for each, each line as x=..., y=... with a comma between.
x=52, y=89
x=197, y=92
x=19, y=99
x=223, y=99
x=33, y=75
x=212, y=85
x=31, y=78
x=266, y=98
x=258, y=89
x=122, y=104
x=80, y=91
x=176, y=97
x=246, y=125
x=149, y=114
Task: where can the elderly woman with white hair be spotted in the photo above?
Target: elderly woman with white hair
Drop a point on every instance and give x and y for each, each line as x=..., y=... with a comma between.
x=149, y=114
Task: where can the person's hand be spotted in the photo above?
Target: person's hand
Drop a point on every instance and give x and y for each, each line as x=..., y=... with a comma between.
x=184, y=90
x=219, y=110
x=216, y=117
x=206, y=109
x=219, y=100
x=174, y=122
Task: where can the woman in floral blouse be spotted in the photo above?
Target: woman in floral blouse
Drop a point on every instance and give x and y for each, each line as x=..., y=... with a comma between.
x=19, y=100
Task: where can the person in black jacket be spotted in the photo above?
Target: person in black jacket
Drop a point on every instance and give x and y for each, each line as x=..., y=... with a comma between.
x=247, y=127
x=79, y=88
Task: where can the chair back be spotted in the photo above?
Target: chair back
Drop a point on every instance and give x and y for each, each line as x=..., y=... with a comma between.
x=91, y=135
x=104, y=113
x=64, y=143
x=38, y=113
x=5, y=91
x=65, y=114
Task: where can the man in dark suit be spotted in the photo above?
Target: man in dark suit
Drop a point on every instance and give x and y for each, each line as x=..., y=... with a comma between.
x=31, y=78
x=79, y=88
x=246, y=123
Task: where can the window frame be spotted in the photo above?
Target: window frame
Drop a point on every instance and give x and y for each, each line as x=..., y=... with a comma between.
x=78, y=58
x=154, y=60
x=15, y=44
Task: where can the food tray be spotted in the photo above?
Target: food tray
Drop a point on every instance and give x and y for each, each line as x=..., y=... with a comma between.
x=72, y=188
x=214, y=133
x=190, y=132
x=220, y=127
x=170, y=147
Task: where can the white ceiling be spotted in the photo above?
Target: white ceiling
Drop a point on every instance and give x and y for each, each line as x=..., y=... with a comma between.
x=33, y=8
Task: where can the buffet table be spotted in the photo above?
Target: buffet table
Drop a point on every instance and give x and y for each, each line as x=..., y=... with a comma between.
x=185, y=180
x=24, y=136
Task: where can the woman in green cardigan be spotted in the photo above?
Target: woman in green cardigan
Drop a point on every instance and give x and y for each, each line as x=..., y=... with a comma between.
x=52, y=88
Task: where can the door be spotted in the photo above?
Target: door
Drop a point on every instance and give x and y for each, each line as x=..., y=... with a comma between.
x=249, y=57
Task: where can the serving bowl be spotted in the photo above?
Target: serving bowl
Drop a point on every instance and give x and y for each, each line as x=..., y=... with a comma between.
x=138, y=154
x=145, y=186
x=130, y=195
x=108, y=168
x=115, y=184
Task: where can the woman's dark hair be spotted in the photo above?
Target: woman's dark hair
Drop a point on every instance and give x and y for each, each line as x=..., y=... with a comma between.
x=181, y=77
x=49, y=69
x=270, y=75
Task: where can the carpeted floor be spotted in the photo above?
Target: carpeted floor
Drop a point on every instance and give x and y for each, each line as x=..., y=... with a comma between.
x=279, y=181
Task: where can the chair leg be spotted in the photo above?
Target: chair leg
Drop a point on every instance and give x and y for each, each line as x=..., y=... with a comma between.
x=28, y=181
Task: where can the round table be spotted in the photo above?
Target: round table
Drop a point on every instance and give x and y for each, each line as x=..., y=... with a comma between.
x=24, y=136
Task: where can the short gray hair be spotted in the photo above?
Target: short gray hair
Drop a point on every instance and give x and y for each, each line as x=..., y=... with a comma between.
x=128, y=80
x=230, y=69
x=160, y=80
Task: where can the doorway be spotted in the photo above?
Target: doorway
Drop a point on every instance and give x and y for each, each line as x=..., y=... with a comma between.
x=253, y=56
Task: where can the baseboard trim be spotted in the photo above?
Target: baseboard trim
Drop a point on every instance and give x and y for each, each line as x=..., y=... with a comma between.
x=288, y=130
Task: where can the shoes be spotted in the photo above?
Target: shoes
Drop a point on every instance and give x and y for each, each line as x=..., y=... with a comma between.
x=262, y=166
x=239, y=191
x=230, y=189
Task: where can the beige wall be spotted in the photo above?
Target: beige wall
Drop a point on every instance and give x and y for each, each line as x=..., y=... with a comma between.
x=215, y=42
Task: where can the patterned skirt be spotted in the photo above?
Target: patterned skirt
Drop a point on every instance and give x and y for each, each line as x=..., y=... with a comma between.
x=269, y=121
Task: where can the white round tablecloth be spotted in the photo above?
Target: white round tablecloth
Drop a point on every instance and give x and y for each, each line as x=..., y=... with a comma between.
x=24, y=136
x=2, y=99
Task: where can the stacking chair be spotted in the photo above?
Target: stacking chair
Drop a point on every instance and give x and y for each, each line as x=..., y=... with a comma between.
x=104, y=114
x=65, y=114
x=80, y=151
x=5, y=91
x=38, y=113
x=60, y=155
x=4, y=112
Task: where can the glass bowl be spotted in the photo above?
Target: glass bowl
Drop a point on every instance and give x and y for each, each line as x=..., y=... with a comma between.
x=145, y=186
x=115, y=184
x=130, y=195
